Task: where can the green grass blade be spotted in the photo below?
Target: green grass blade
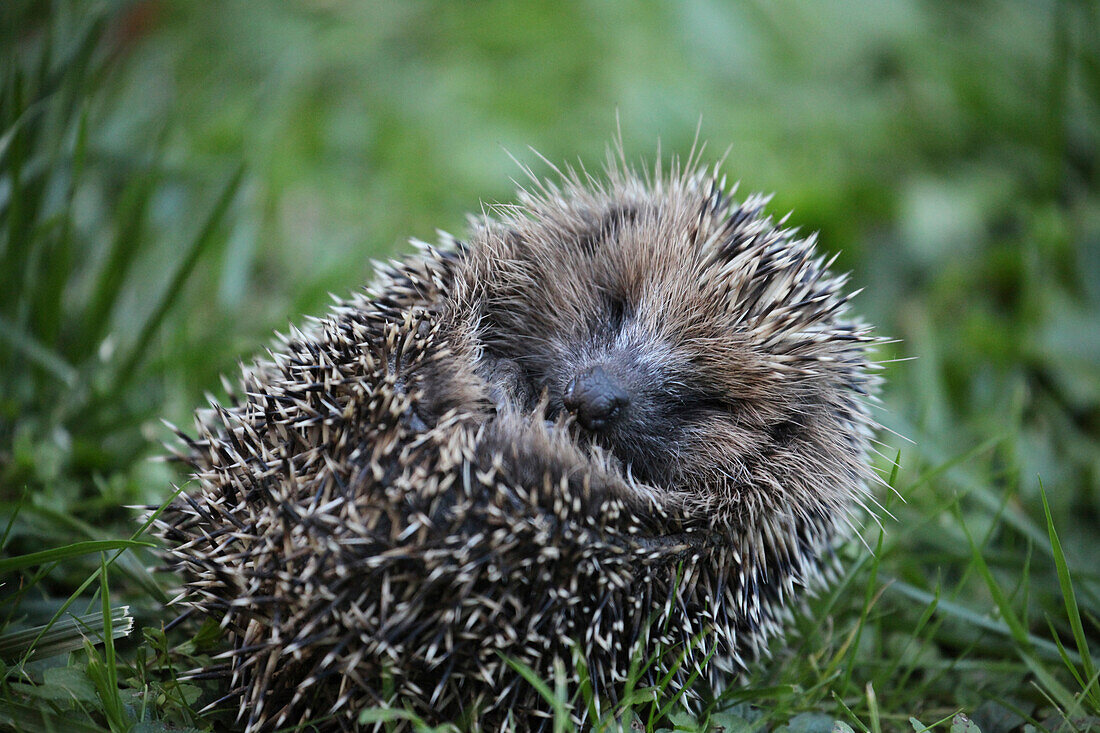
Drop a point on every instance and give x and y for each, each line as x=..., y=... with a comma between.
x=67, y=635
x=971, y=485
x=133, y=212
x=926, y=616
x=68, y=524
x=585, y=693
x=25, y=118
x=18, y=507
x=892, y=482
x=869, y=599
x=118, y=553
x=960, y=459
x=855, y=718
x=22, y=717
x=109, y=694
x=387, y=715
x=18, y=215
x=57, y=276
x=1017, y=629
x=688, y=683
x=1019, y=632
x=24, y=343
x=73, y=77
x=195, y=250
x=872, y=708
x=962, y=613
x=1092, y=688
x=1073, y=613
x=557, y=701
x=63, y=553
x=1070, y=665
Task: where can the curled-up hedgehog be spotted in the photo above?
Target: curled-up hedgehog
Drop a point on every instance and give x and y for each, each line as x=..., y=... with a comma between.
x=623, y=419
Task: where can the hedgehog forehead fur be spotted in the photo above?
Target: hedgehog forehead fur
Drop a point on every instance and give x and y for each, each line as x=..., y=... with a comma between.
x=723, y=333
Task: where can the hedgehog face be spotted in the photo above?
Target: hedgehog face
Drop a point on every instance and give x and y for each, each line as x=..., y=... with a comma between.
x=685, y=334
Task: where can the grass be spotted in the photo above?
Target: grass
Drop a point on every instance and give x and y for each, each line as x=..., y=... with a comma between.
x=177, y=179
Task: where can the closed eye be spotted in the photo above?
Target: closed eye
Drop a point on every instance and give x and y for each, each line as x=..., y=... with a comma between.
x=709, y=402
x=785, y=432
x=607, y=321
x=617, y=312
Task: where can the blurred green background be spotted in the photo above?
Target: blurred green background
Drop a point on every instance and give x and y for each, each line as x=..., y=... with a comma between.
x=180, y=178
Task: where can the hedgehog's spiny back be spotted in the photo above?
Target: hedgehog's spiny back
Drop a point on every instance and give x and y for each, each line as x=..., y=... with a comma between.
x=389, y=505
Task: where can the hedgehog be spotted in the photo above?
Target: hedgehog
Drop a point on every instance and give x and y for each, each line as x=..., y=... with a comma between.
x=625, y=418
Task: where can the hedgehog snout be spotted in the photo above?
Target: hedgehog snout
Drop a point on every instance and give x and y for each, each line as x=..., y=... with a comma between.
x=596, y=398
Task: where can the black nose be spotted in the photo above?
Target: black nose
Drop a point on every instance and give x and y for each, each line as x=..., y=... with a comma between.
x=596, y=398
